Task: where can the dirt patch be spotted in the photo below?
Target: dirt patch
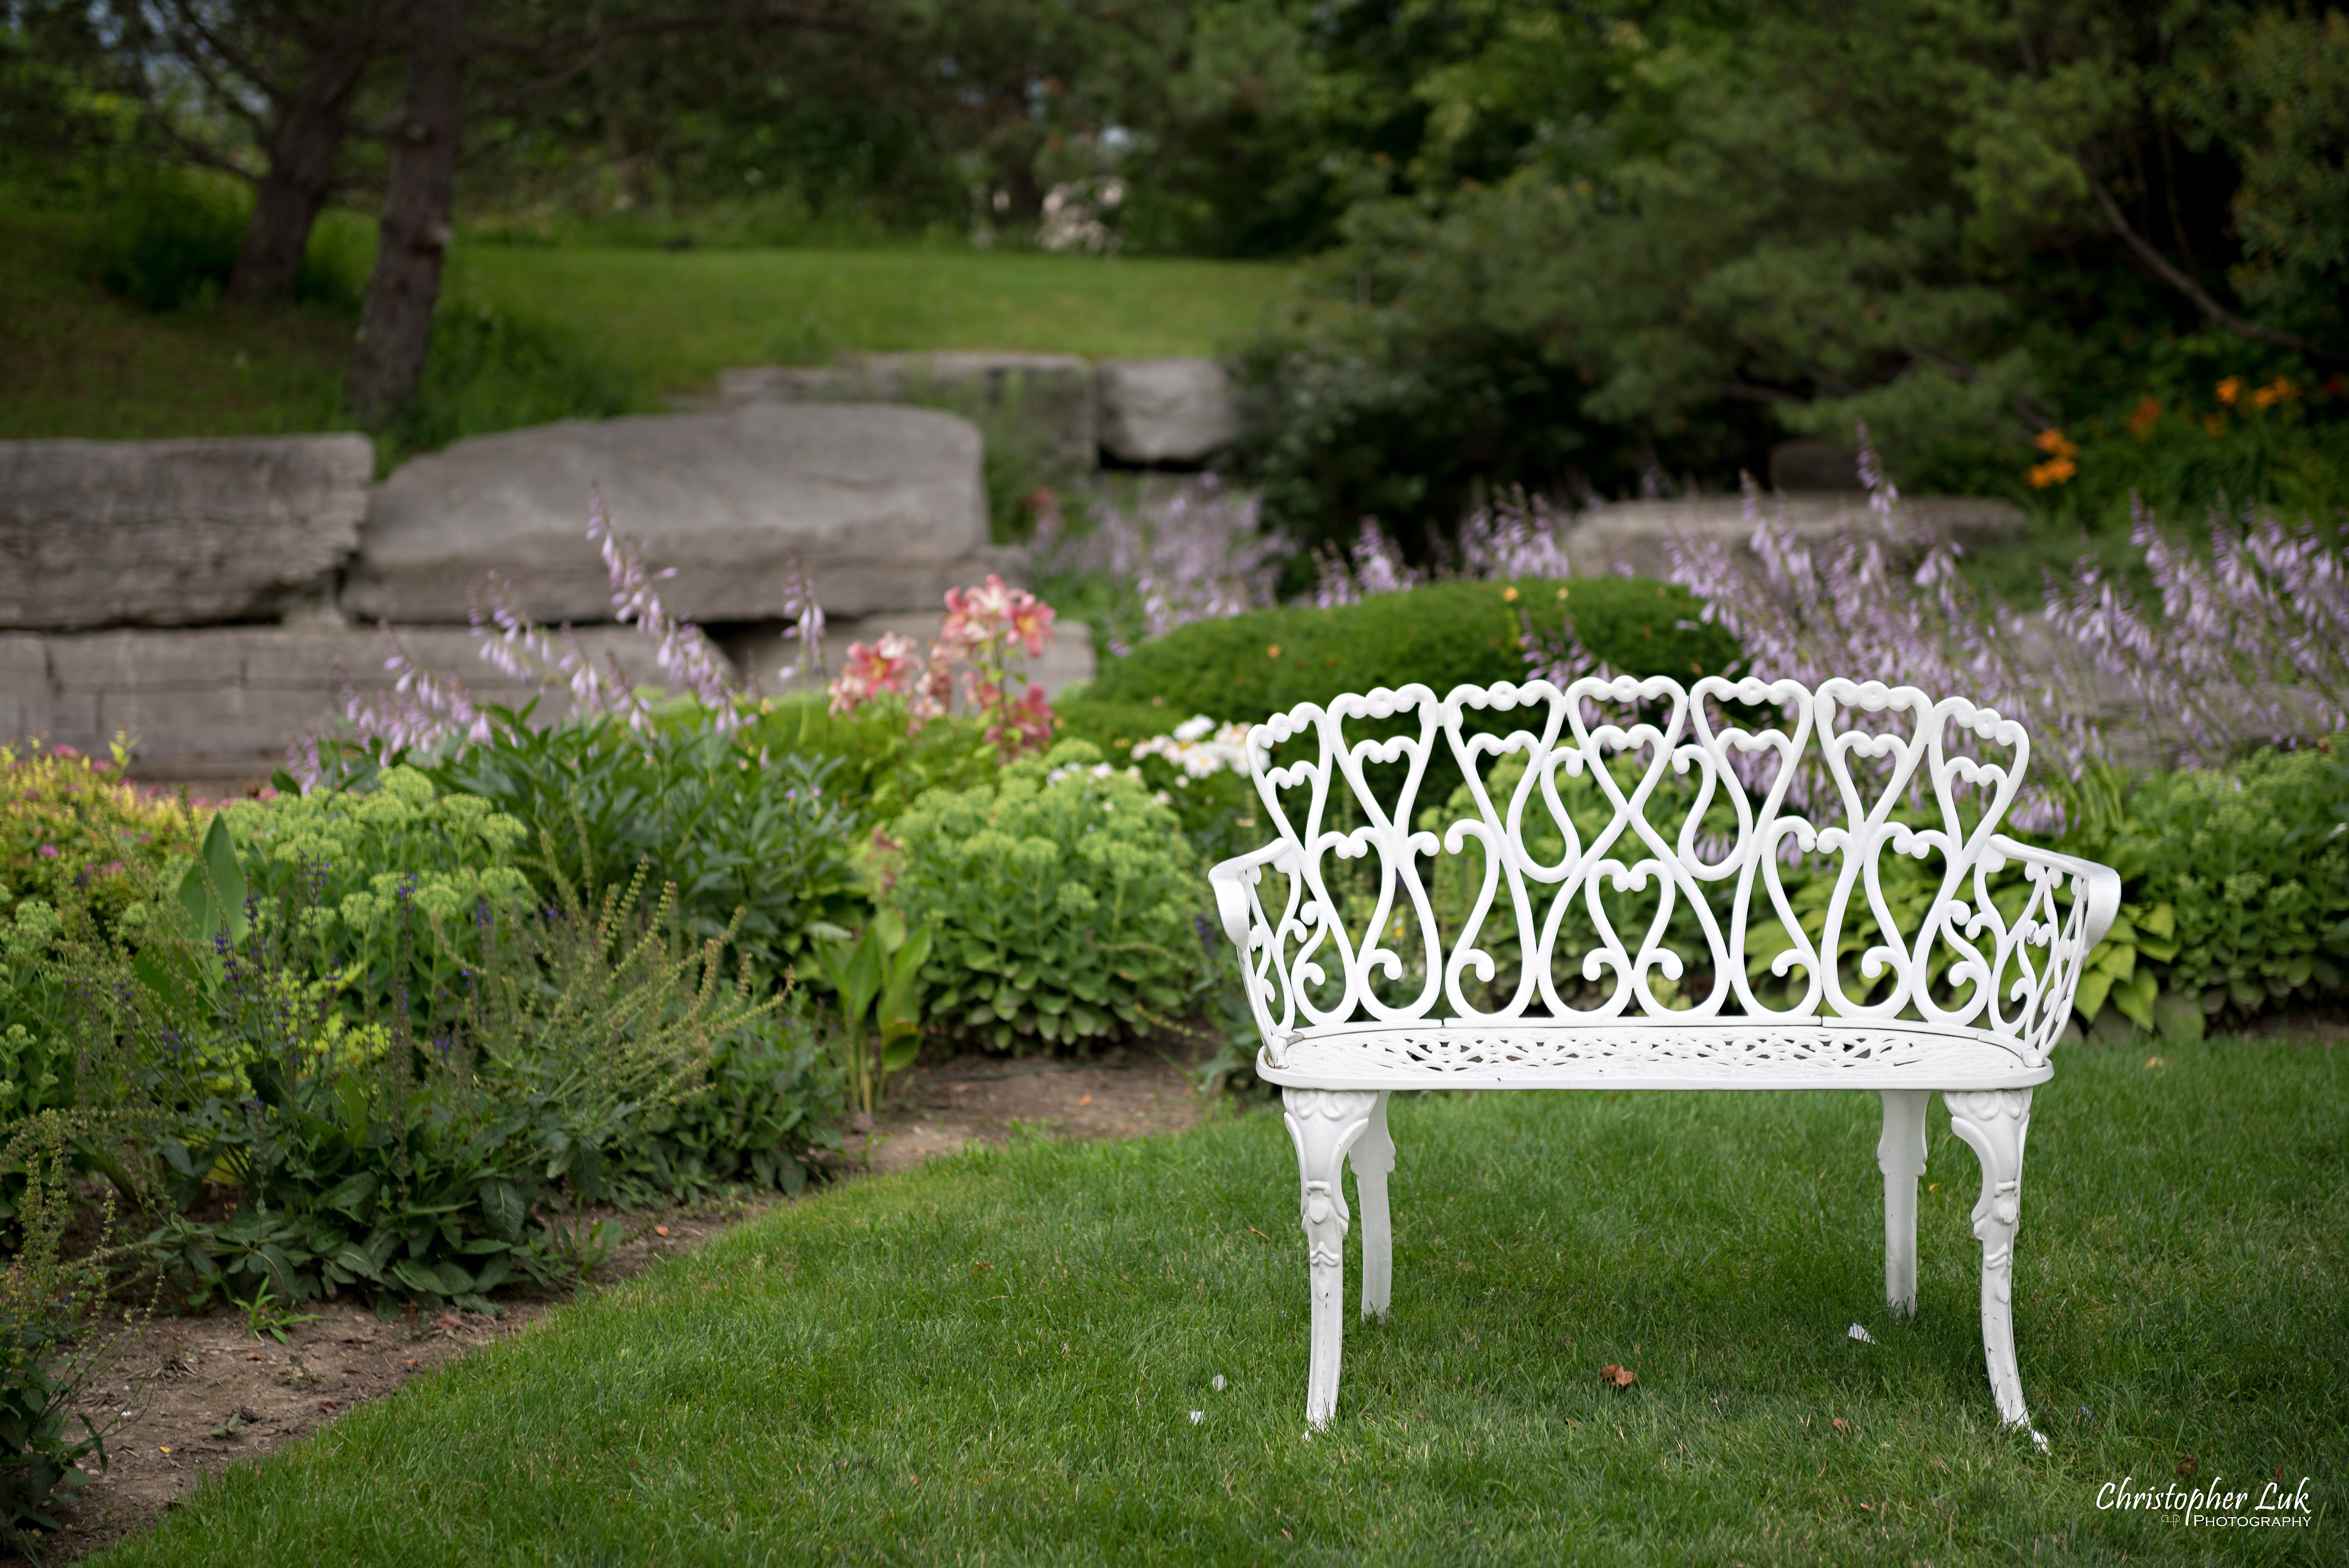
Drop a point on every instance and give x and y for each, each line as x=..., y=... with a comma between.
x=192, y=1395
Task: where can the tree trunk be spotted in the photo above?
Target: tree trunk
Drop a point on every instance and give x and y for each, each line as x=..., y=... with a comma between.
x=396, y=325
x=304, y=148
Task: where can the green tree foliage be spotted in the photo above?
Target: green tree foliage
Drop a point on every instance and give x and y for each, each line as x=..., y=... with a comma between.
x=1628, y=251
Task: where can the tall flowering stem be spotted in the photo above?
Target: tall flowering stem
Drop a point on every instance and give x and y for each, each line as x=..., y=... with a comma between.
x=1196, y=552
x=2251, y=644
x=423, y=710
x=1854, y=605
x=990, y=632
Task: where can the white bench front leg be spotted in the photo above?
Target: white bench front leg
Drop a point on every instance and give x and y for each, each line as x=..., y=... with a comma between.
x=1374, y=1157
x=1994, y=1123
x=1900, y=1155
x=1324, y=1125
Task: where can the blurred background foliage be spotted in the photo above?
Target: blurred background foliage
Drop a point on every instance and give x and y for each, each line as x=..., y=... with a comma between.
x=1599, y=250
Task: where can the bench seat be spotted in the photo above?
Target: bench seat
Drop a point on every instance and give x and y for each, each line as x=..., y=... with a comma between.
x=1648, y=1054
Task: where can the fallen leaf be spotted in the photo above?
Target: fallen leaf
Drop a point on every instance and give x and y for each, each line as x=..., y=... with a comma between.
x=660, y=1230
x=1621, y=1376
x=1087, y=1101
x=163, y=1451
x=1841, y=1425
x=2188, y=1465
x=254, y=1356
x=411, y=1361
x=328, y=1406
x=2155, y=1062
x=982, y=1266
x=1572, y=1422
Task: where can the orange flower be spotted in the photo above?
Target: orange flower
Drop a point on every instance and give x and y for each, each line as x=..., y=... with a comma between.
x=2282, y=389
x=2052, y=442
x=2229, y=390
x=2053, y=471
x=2144, y=417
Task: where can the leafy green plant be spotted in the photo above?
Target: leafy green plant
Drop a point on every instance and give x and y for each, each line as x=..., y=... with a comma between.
x=877, y=973
x=2236, y=894
x=752, y=833
x=264, y=1314
x=168, y=240
x=1061, y=898
x=54, y=1337
x=771, y=1102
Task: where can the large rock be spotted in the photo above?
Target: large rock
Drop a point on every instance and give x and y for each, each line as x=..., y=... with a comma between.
x=1176, y=411
x=225, y=702
x=175, y=534
x=1039, y=404
x=1632, y=535
x=884, y=507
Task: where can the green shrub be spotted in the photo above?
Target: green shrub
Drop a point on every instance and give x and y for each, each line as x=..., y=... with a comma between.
x=489, y=370
x=1248, y=666
x=2237, y=895
x=168, y=240
x=771, y=1099
x=1060, y=902
x=54, y=1340
x=387, y=887
x=732, y=826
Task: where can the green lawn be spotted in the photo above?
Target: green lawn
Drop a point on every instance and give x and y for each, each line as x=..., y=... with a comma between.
x=77, y=361
x=678, y=319
x=994, y=1359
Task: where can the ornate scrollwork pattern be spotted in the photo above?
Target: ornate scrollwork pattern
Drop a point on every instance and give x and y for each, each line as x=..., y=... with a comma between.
x=1683, y=814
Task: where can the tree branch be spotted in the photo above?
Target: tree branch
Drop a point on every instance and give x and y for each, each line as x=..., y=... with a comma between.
x=2162, y=268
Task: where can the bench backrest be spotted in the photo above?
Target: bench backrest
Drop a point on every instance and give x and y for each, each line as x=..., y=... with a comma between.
x=1757, y=826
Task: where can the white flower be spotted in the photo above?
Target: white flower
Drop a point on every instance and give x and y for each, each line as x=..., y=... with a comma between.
x=1196, y=728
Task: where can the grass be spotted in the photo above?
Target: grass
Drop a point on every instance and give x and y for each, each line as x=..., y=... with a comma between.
x=678, y=318
x=996, y=1358
x=75, y=360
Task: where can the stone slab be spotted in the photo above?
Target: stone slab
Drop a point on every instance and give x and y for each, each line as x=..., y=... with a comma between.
x=226, y=702
x=175, y=534
x=1632, y=535
x=1042, y=403
x=1177, y=411
x=885, y=507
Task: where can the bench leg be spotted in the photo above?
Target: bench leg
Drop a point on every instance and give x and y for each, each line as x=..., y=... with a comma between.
x=1324, y=1125
x=1994, y=1123
x=1374, y=1157
x=1900, y=1155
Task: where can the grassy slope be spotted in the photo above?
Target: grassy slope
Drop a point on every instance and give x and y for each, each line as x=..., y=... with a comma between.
x=76, y=361
x=678, y=319
x=994, y=1360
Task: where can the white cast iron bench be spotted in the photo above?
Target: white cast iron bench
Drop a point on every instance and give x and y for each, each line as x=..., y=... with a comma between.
x=1362, y=986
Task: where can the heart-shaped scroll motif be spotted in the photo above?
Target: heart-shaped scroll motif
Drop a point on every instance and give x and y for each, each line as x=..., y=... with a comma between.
x=1595, y=845
x=1885, y=749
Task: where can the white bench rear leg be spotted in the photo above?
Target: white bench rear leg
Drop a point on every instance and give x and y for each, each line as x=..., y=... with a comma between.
x=1900, y=1155
x=1374, y=1157
x=1994, y=1123
x=1324, y=1125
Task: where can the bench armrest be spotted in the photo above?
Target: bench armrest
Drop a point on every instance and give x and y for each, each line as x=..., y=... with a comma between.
x=1230, y=882
x=2104, y=883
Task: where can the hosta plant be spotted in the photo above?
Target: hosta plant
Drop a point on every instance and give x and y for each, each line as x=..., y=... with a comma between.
x=1060, y=899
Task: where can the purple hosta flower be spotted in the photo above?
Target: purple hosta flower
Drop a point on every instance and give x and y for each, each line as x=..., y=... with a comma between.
x=1513, y=535
x=806, y=616
x=1374, y=566
x=1193, y=552
x=681, y=648
x=2251, y=645
x=1851, y=607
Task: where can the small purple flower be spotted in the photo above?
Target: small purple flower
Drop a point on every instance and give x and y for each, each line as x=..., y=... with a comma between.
x=50, y=852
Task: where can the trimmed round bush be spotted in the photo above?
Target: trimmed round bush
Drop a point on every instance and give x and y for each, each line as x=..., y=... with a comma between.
x=1444, y=634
